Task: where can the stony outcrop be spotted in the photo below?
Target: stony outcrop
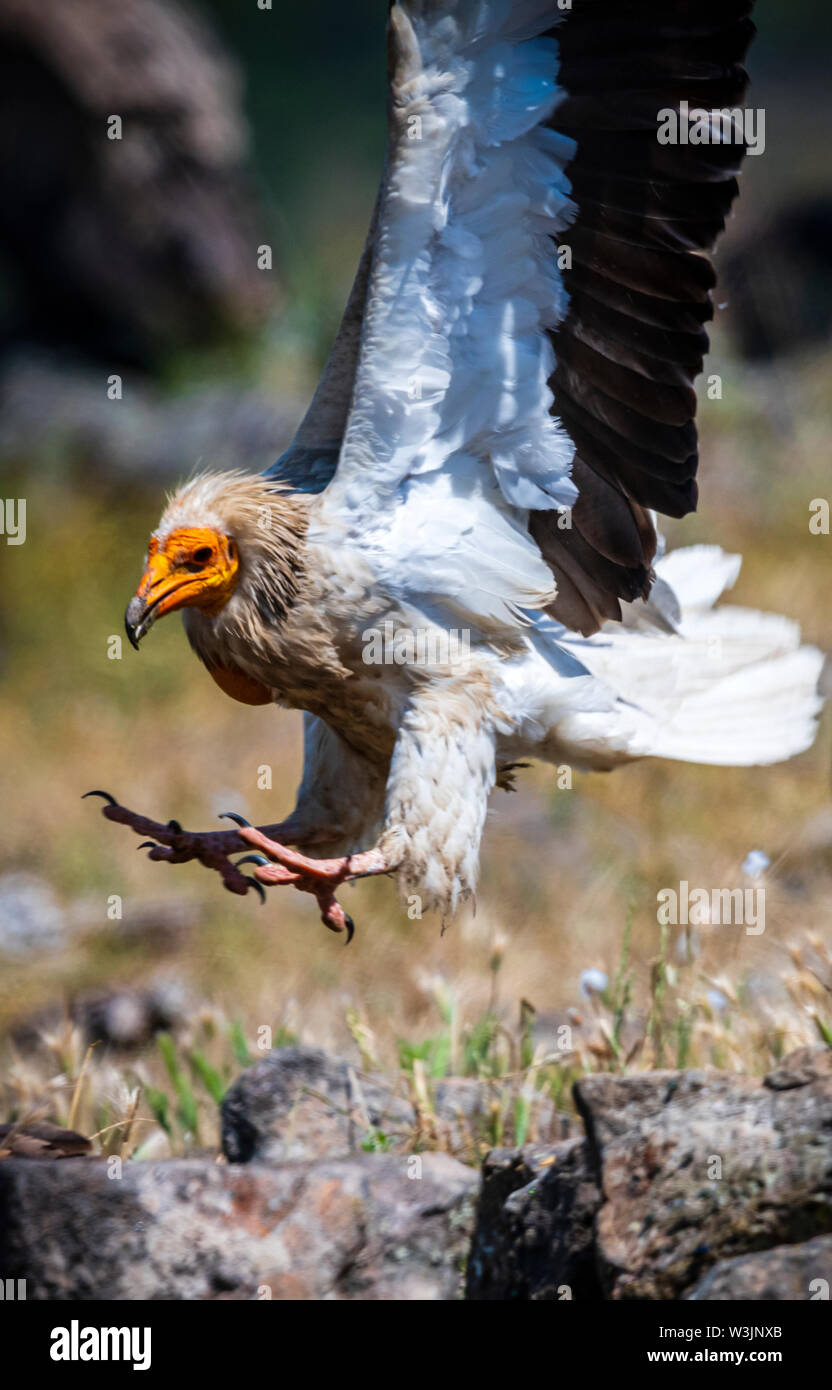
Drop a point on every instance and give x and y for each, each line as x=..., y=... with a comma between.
x=372, y=1227
x=301, y=1102
x=788, y=1273
x=687, y=1184
x=534, y=1238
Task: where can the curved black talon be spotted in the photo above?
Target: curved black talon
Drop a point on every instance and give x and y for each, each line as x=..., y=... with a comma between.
x=350, y=924
x=106, y=796
x=147, y=844
x=258, y=886
x=175, y=827
x=232, y=815
x=251, y=859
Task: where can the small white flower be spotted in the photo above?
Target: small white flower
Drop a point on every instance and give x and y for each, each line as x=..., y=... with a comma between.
x=593, y=982
x=229, y=800
x=717, y=1000
x=688, y=945
x=755, y=863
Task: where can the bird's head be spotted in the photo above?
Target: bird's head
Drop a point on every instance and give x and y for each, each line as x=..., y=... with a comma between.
x=219, y=534
x=187, y=567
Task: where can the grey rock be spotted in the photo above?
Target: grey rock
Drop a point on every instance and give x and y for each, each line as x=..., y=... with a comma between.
x=534, y=1237
x=148, y=242
x=688, y=1185
x=124, y=1019
x=31, y=919
x=786, y=1273
x=148, y=435
x=802, y=1066
x=700, y=1167
x=303, y=1103
x=375, y=1227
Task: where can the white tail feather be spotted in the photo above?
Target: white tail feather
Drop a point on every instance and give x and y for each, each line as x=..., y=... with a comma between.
x=734, y=687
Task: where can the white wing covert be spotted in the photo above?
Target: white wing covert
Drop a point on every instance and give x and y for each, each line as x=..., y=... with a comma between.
x=477, y=402
x=450, y=436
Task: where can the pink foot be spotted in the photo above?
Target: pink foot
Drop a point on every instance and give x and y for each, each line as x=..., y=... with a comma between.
x=213, y=848
x=320, y=877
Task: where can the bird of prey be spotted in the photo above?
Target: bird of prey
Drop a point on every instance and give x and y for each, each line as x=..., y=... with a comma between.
x=455, y=566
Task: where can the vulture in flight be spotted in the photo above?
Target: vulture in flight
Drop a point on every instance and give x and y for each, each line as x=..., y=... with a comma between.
x=455, y=566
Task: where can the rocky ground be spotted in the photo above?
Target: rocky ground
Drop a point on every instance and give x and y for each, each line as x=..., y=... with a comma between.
x=683, y=1185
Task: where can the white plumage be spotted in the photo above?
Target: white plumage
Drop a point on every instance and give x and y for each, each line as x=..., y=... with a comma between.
x=433, y=486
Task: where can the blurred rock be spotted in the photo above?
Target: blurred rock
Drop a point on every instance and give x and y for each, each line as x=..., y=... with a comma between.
x=31, y=919
x=303, y=1103
x=363, y=1228
x=48, y=411
x=804, y=1065
x=128, y=1018
x=777, y=280
x=158, y=926
x=534, y=1237
x=124, y=1019
x=125, y=242
x=787, y=1273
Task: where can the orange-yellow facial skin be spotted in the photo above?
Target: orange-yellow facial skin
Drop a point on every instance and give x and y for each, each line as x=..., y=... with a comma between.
x=194, y=567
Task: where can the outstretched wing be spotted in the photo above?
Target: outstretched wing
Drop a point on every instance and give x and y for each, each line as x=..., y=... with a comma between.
x=511, y=390
x=633, y=340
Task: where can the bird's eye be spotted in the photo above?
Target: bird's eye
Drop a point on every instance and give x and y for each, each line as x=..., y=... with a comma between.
x=203, y=555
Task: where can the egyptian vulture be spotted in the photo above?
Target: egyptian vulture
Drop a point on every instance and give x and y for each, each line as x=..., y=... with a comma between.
x=455, y=566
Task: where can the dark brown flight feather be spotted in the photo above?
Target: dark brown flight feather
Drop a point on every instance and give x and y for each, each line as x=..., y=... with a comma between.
x=640, y=288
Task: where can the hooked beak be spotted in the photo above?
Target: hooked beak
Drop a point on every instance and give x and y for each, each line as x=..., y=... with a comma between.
x=157, y=594
x=137, y=619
